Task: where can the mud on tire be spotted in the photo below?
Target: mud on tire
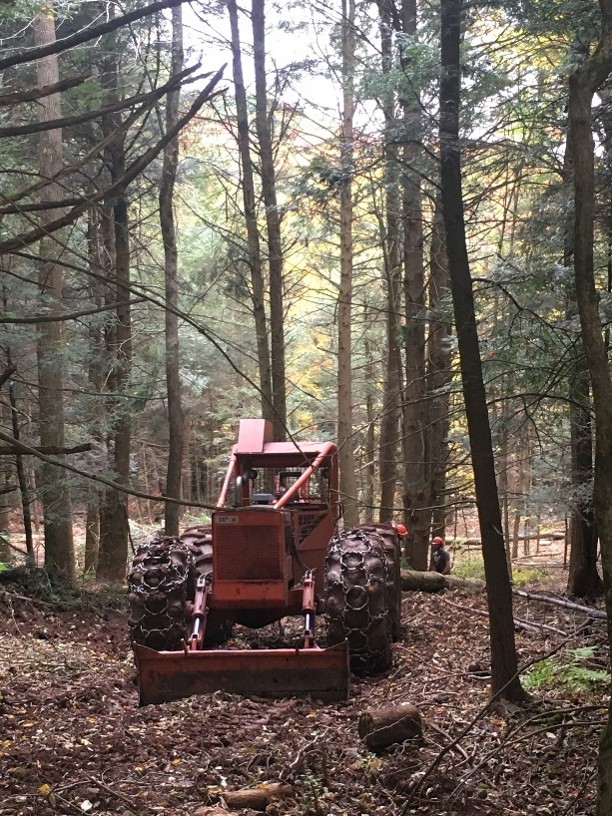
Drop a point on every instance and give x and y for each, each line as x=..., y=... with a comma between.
x=357, y=601
x=160, y=581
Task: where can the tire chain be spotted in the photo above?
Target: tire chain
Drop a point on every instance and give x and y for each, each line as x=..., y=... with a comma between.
x=357, y=602
x=160, y=583
x=389, y=542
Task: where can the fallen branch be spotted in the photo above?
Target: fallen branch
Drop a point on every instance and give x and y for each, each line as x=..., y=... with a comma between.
x=530, y=626
x=586, y=610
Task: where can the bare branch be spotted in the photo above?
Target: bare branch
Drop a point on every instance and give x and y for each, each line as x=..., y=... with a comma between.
x=31, y=94
x=86, y=35
x=116, y=189
x=7, y=374
x=12, y=450
x=69, y=121
x=23, y=449
x=35, y=319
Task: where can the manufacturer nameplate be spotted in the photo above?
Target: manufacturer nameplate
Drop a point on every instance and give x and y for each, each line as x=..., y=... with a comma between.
x=226, y=519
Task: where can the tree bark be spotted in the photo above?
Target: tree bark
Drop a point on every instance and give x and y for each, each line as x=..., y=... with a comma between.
x=23, y=482
x=250, y=216
x=96, y=375
x=346, y=457
x=392, y=274
x=583, y=83
x=6, y=470
x=583, y=579
x=381, y=727
x=439, y=376
x=273, y=224
x=114, y=525
x=176, y=421
x=504, y=665
x=55, y=493
x=415, y=494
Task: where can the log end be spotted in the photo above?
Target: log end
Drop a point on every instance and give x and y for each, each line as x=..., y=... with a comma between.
x=383, y=727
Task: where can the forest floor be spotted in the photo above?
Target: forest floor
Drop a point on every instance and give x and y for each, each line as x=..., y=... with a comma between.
x=73, y=740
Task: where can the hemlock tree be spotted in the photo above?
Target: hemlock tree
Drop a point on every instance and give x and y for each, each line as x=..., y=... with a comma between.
x=57, y=512
x=346, y=457
x=114, y=525
x=414, y=415
x=249, y=198
x=504, y=667
x=263, y=121
x=176, y=422
x=392, y=275
x=583, y=83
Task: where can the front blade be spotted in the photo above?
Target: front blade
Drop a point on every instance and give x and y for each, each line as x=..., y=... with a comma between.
x=320, y=673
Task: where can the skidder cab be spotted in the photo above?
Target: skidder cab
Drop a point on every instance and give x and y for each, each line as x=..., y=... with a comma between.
x=272, y=551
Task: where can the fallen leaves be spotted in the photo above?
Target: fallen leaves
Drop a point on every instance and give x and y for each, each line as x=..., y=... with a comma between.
x=74, y=740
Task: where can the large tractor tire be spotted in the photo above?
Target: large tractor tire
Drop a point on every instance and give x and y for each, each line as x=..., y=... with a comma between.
x=160, y=582
x=357, y=599
x=199, y=540
x=390, y=541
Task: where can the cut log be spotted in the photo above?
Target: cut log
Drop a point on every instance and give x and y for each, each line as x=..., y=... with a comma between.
x=416, y=581
x=382, y=727
x=256, y=798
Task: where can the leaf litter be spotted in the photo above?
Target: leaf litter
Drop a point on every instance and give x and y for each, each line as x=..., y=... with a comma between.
x=73, y=740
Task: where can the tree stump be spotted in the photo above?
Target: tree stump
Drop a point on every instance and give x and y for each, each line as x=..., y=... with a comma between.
x=382, y=727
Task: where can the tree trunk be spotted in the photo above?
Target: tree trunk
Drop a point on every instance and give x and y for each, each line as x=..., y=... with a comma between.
x=583, y=580
x=6, y=470
x=504, y=678
x=250, y=217
x=114, y=526
x=439, y=376
x=346, y=457
x=23, y=482
x=392, y=272
x=55, y=493
x=98, y=261
x=369, y=446
x=273, y=223
x=415, y=494
x=583, y=83
x=176, y=421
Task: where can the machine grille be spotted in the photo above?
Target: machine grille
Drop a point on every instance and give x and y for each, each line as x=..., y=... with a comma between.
x=248, y=553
